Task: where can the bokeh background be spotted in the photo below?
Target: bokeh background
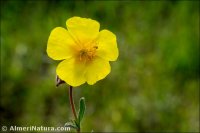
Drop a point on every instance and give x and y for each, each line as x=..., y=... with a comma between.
x=153, y=86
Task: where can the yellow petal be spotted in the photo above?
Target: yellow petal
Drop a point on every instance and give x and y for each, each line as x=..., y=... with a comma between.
x=72, y=72
x=96, y=70
x=83, y=29
x=107, y=45
x=60, y=44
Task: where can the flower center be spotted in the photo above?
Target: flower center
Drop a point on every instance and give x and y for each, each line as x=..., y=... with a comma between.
x=87, y=54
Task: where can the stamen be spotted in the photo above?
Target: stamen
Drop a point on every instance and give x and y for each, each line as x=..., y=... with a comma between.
x=87, y=54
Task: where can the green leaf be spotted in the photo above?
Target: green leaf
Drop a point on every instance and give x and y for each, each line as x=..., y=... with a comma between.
x=77, y=123
x=81, y=109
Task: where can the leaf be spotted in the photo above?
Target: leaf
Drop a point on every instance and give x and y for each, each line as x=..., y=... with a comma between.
x=77, y=123
x=81, y=109
x=71, y=125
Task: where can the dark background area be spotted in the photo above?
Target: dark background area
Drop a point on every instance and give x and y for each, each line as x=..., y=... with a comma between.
x=153, y=86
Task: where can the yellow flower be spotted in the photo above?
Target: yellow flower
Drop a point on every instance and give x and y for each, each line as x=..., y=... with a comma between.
x=85, y=51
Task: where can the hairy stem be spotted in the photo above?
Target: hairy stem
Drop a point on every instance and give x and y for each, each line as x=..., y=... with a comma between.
x=72, y=104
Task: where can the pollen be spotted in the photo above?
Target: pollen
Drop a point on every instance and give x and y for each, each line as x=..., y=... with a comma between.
x=87, y=54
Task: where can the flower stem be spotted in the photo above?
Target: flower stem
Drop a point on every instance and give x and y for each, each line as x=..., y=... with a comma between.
x=72, y=105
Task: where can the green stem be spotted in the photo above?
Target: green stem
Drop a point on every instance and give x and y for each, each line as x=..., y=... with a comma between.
x=72, y=105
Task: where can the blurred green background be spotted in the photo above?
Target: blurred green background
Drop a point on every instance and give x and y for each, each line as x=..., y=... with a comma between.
x=153, y=86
